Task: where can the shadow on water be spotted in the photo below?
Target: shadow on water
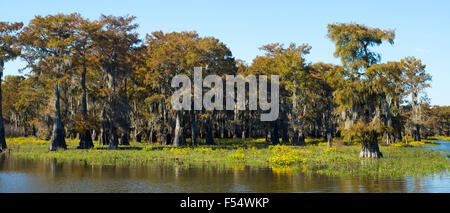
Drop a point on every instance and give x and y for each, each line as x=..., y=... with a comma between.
x=22, y=175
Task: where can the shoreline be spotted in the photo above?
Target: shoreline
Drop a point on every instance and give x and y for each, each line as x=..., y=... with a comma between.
x=342, y=160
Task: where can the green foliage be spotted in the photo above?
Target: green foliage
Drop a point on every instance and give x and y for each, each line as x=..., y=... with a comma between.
x=354, y=40
x=9, y=48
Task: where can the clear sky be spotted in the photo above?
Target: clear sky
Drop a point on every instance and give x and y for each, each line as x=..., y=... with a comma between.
x=422, y=27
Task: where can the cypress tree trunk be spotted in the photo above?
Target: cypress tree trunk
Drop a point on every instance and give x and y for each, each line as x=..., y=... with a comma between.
x=326, y=125
x=275, y=139
x=163, y=132
x=193, y=127
x=329, y=139
x=235, y=122
x=94, y=135
x=177, y=140
x=138, y=138
x=284, y=132
x=112, y=137
x=301, y=140
x=103, y=136
x=160, y=134
x=416, y=116
x=388, y=138
x=370, y=148
x=294, y=139
x=125, y=112
x=110, y=110
x=86, y=138
x=57, y=140
x=406, y=138
x=222, y=131
x=150, y=137
x=209, y=135
x=417, y=135
x=114, y=142
x=192, y=113
x=2, y=127
x=164, y=136
x=124, y=140
x=110, y=130
x=397, y=135
x=103, y=139
x=389, y=119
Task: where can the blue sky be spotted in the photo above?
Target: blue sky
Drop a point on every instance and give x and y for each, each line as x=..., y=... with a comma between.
x=422, y=27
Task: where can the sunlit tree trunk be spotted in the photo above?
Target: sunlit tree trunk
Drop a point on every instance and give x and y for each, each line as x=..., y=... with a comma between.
x=370, y=148
x=329, y=139
x=326, y=124
x=177, y=139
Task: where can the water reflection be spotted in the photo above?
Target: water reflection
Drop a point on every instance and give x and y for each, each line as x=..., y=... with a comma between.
x=20, y=175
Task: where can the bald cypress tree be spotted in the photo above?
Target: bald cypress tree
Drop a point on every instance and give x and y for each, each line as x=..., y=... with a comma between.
x=48, y=43
x=358, y=95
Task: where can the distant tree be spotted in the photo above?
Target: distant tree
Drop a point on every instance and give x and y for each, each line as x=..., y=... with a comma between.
x=114, y=44
x=416, y=80
x=9, y=50
x=295, y=85
x=437, y=120
x=13, y=118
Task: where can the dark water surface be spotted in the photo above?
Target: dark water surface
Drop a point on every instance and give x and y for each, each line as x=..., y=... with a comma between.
x=19, y=175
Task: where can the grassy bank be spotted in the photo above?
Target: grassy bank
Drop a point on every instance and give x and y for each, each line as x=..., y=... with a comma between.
x=443, y=138
x=342, y=160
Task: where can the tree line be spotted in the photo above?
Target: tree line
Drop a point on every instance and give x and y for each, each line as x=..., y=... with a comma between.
x=98, y=80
